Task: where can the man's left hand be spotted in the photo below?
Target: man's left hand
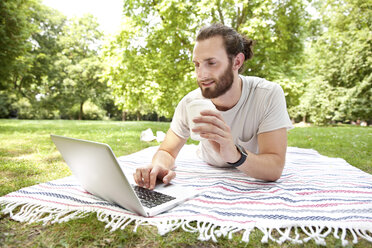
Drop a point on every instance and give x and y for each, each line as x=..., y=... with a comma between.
x=218, y=133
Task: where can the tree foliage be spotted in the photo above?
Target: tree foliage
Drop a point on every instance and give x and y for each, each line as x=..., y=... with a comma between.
x=60, y=68
x=153, y=68
x=78, y=64
x=340, y=64
x=16, y=26
x=55, y=67
x=153, y=51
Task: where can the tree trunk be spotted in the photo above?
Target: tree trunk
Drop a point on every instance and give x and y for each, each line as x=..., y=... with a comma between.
x=81, y=111
x=123, y=115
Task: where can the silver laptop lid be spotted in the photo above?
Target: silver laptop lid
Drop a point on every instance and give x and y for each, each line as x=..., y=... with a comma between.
x=98, y=171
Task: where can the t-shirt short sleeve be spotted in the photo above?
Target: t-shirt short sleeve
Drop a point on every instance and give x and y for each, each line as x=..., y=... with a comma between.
x=179, y=124
x=275, y=112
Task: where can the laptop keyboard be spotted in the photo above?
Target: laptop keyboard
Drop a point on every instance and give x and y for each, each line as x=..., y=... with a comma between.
x=150, y=198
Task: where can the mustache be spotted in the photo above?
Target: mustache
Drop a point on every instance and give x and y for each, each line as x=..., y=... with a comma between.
x=206, y=80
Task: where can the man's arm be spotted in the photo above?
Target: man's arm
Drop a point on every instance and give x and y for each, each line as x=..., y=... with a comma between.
x=269, y=163
x=162, y=162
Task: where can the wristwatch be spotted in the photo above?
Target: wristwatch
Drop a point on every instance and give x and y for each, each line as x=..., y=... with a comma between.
x=243, y=157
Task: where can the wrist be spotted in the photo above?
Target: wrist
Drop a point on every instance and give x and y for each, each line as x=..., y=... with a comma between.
x=163, y=160
x=236, y=155
x=243, y=156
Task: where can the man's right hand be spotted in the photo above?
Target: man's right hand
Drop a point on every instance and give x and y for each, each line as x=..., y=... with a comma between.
x=162, y=163
x=146, y=176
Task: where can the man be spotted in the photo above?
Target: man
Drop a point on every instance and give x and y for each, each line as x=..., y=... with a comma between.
x=249, y=130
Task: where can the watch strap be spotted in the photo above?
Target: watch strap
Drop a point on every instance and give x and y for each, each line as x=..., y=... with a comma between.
x=243, y=156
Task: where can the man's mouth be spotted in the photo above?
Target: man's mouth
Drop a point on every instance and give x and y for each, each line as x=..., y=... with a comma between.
x=207, y=83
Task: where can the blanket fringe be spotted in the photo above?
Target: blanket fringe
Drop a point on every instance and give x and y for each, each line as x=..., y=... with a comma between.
x=210, y=231
x=31, y=213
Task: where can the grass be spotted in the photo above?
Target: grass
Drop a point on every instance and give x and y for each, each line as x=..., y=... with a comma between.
x=28, y=157
x=352, y=143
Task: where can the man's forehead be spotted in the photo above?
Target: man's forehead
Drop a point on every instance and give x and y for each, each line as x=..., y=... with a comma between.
x=203, y=59
x=208, y=49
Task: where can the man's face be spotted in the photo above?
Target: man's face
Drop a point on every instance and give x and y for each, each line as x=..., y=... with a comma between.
x=213, y=68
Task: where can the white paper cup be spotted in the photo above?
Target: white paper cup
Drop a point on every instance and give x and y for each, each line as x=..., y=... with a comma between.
x=193, y=110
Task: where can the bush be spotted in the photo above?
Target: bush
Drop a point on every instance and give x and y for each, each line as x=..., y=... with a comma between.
x=93, y=112
x=6, y=109
x=24, y=109
x=90, y=112
x=35, y=111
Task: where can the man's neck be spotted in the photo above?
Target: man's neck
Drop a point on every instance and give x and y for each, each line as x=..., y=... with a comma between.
x=231, y=97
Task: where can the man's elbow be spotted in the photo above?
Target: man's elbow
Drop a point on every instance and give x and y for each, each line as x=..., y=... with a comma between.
x=271, y=174
x=274, y=177
x=276, y=172
x=270, y=169
x=268, y=176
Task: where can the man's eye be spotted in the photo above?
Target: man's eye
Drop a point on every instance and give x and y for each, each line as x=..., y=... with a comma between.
x=211, y=63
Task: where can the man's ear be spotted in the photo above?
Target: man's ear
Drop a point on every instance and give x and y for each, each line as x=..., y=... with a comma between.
x=238, y=61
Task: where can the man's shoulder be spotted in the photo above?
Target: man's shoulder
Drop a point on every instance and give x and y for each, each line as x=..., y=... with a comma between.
x=261, y=86
x=259, y=83
x=192, y=95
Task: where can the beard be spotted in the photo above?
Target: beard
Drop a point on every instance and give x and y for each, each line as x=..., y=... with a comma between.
x=221, y=84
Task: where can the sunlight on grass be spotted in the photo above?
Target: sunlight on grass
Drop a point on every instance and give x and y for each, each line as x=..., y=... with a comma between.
x=352, y=143
x=26, y=147
x=28, y=157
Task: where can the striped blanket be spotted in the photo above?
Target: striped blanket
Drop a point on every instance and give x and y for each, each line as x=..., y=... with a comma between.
x=316, y=196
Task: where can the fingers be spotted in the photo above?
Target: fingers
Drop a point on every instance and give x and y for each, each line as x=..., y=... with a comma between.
x=211, y=117
x=153, y=176
x=171, y=174
x=212, y=113
x=146, y=176
x=213, y=127
x=141, y=176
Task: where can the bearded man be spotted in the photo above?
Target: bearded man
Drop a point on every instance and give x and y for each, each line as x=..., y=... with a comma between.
x=249, y=129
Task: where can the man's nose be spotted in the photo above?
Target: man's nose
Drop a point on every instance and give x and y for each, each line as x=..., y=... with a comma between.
x=201, y=73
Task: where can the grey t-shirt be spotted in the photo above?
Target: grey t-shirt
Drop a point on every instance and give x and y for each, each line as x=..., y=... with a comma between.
x=261, y=108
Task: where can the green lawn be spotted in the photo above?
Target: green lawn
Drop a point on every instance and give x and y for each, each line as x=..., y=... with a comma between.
x=28, y=157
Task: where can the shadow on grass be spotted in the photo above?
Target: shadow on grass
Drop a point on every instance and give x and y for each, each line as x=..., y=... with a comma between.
x=89, y=232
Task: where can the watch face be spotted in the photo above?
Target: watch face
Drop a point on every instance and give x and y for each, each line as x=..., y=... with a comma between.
x=242, y=150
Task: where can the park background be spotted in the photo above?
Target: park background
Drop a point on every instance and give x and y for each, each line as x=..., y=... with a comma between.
x=66, y=69
x=58, y=67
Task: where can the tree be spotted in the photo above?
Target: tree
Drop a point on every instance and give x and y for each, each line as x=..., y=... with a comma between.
x=49, y=64
x=340, y=58
x=78, y=67
x=36, y=67
x=153, y=53
x=135, y=93
x=16, y=27
x=24, y=74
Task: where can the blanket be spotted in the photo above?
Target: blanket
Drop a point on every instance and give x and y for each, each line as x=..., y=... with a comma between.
x=315, y=196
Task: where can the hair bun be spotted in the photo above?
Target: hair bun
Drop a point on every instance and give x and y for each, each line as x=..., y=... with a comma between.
x=247, y=47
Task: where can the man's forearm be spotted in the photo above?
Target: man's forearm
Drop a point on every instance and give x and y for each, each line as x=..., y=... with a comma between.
x=267, y=167
x=269, y=163
x=168, y=150
x=164, y=159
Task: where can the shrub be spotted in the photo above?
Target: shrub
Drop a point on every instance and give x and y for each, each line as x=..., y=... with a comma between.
x=93, y=112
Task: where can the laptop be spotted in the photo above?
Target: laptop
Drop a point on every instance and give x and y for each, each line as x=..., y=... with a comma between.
x=99, y=172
